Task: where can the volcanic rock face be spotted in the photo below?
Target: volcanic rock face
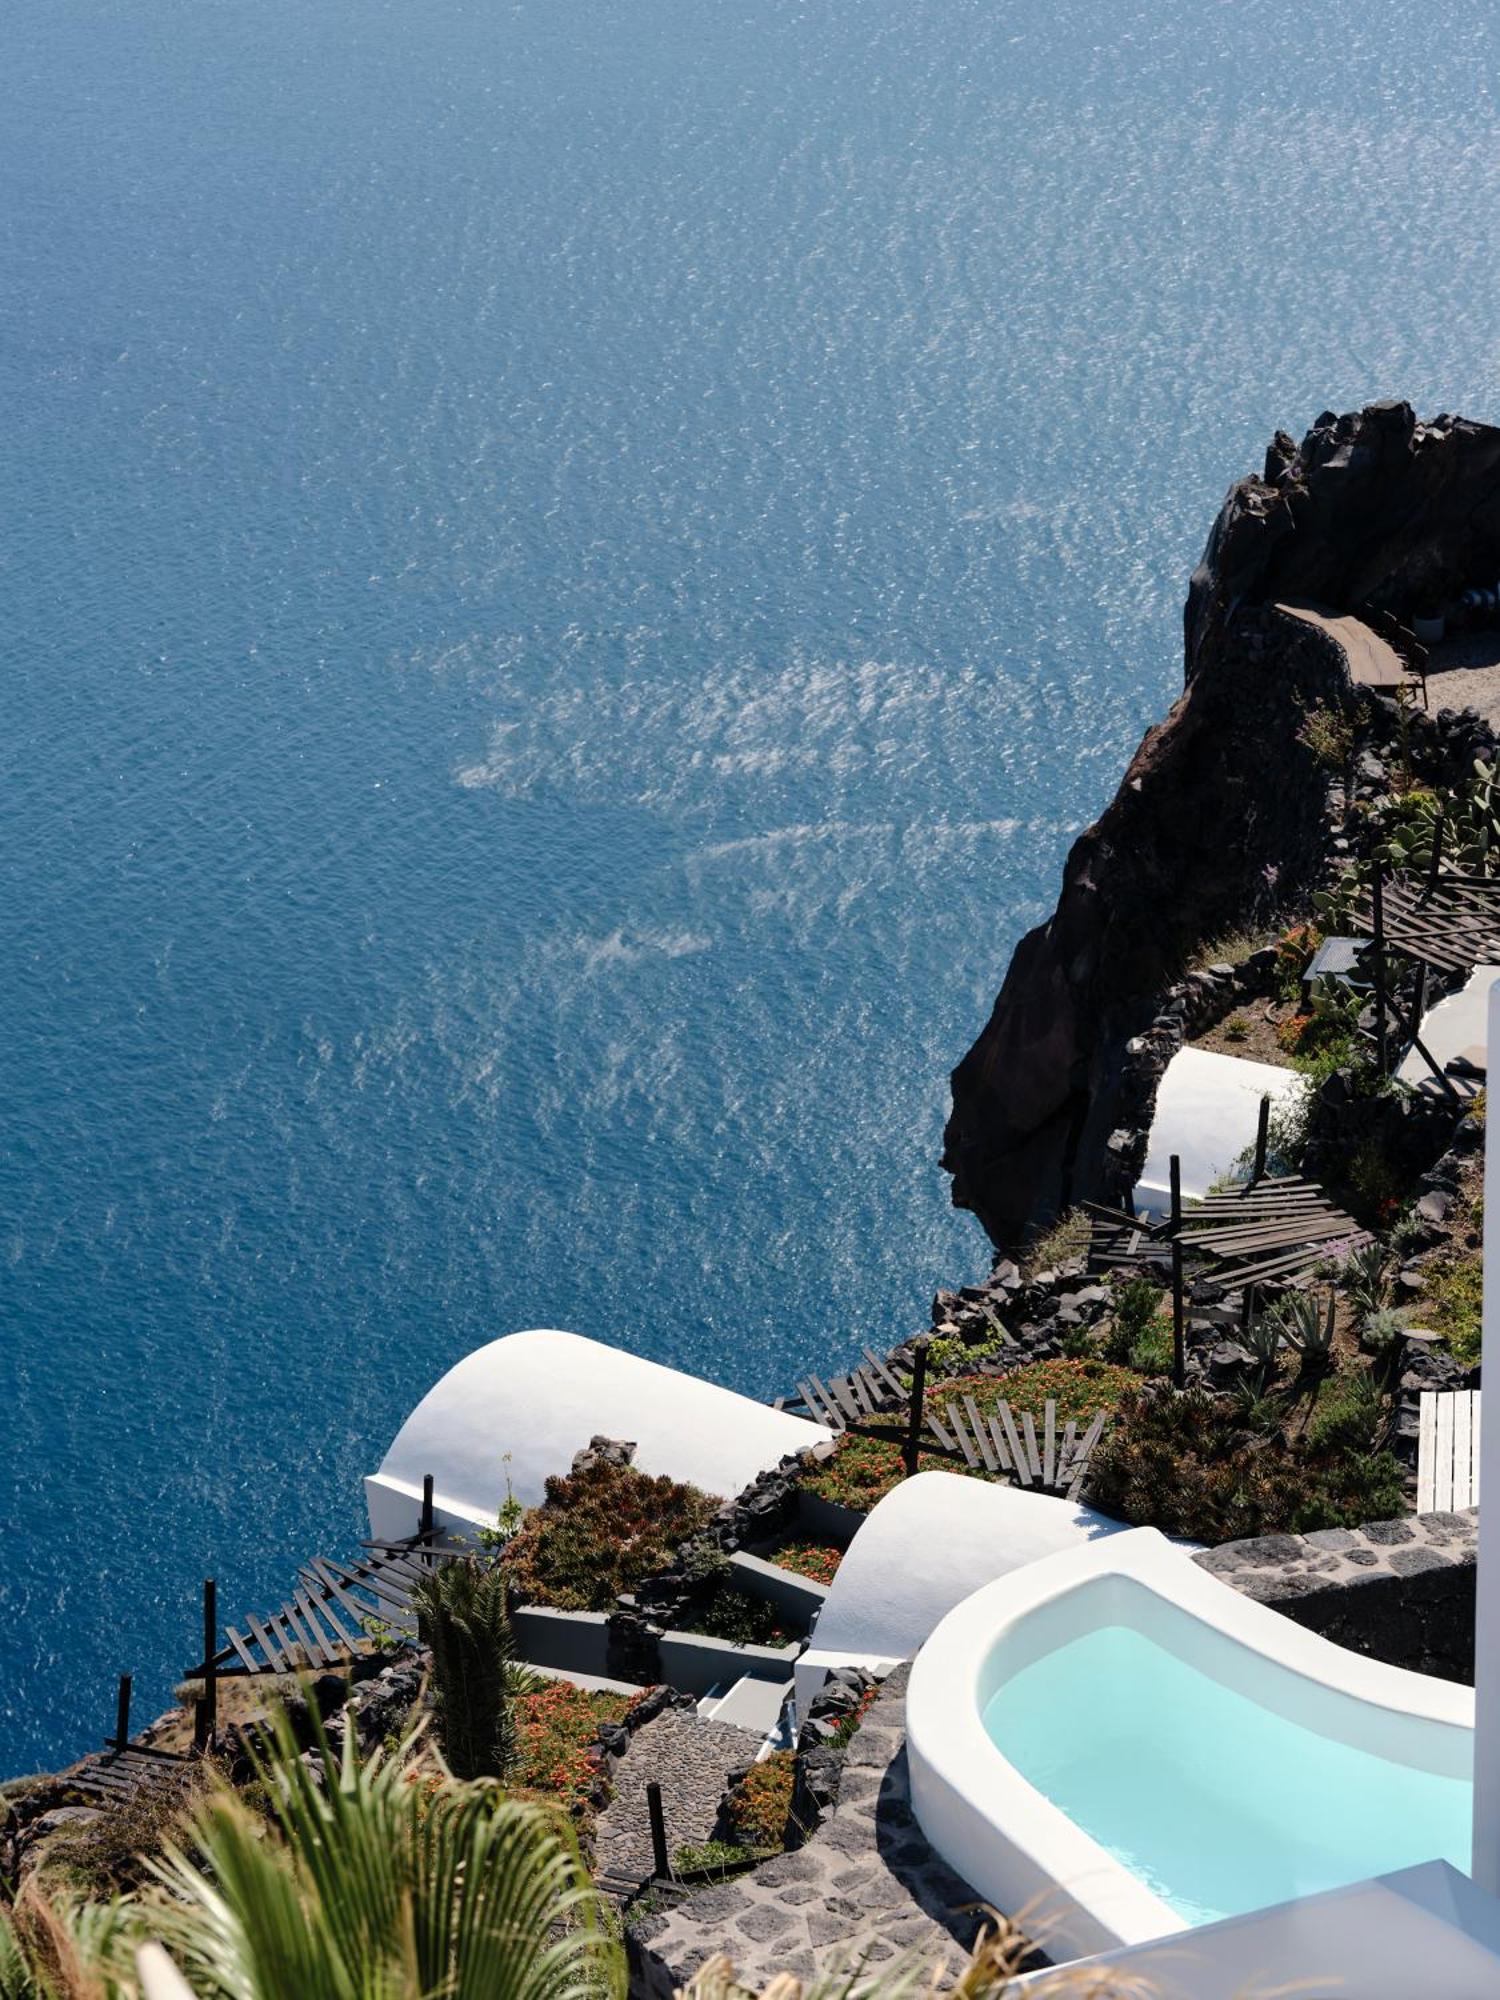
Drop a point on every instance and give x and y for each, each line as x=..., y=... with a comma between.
x=1220, y=818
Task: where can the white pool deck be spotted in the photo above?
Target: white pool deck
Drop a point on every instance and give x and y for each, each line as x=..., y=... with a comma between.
x=1207, y=1112
x=1023, y=1853
x=1423, y=1933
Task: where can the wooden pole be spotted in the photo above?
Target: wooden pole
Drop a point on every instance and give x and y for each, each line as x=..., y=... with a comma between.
x=206, y=1731
x=913, y=1445
x=1179, y=1334
x=122, y=1713
x=661, y=1861
x=1262, y=1140
x=1437, y=855
x=1176, y=1170
x=1377, y=911
x=1419, y=1000
x=424, y=1526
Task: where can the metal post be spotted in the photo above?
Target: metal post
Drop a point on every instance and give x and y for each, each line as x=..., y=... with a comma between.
x=1176, y=1169
x=424, y=1527
x=913, y=1444
x=1377, y=911
x=122, y=1714
x=206, y=1728
x=1262, y=1139
x=661, y=1861
x=1179, y=1338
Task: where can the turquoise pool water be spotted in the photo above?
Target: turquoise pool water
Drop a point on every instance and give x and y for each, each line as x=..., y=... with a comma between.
x=1217, y=1804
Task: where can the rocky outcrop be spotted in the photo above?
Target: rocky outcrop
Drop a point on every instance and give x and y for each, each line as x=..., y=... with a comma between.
x=1221, y=817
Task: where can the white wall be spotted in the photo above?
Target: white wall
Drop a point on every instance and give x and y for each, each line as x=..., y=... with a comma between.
x=1487, y=1609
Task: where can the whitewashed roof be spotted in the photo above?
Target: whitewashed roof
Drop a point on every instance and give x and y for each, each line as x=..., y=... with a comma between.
x=540, y=1396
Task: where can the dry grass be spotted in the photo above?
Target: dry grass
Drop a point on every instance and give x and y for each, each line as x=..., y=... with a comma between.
x=1067, y=1237
x=1231, y=947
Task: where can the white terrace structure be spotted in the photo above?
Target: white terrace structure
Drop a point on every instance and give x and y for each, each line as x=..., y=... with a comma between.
x=1181, y=1785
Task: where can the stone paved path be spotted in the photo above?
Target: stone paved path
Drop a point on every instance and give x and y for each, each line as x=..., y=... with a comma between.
x=690, y=1759
x=866, y=1883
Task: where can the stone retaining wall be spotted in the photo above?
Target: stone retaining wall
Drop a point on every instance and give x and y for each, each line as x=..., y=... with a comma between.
x=1398, y=1591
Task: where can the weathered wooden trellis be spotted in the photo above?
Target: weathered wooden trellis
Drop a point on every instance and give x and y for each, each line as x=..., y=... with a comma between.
x=1444, y=923
x=339, y=1613
x=1052, y=1459
x=1272, y=1230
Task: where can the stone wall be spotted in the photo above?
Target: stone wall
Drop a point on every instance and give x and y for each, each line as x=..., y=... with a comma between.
x=1398, y=1591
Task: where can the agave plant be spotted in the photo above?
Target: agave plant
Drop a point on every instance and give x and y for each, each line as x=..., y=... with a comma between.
x=1366, y=1276
x=1308, y=1327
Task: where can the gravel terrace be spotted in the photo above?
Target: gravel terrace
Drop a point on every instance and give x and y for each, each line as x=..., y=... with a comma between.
x=867, y=1884
x=690, y=1759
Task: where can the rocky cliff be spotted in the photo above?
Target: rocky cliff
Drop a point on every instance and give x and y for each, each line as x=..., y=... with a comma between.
x=1220, y=817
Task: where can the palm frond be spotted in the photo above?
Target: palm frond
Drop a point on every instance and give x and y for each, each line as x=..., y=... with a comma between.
x=375, y=1883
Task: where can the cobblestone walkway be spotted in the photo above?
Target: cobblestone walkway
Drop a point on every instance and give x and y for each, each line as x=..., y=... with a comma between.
x=866, y=1884
x=690, y=1759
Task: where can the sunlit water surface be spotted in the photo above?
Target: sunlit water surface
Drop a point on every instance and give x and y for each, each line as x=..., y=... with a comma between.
x=571, y=571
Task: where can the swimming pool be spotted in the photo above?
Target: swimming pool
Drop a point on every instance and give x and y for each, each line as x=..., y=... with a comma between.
x=1117, y=1742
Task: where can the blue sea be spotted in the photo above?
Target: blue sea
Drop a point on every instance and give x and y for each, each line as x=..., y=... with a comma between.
x=570, y=572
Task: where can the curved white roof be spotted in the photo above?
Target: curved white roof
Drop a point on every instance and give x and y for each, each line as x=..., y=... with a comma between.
x=540, y=1396
x=1207, y=1111
x=929, y=1544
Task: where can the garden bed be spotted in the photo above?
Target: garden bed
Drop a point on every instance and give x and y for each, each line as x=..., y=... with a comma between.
x=861, y=1471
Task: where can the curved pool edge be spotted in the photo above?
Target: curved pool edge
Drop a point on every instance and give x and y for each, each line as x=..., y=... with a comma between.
x=1021, y=1852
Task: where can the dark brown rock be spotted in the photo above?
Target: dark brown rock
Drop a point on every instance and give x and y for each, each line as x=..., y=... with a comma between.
x=1221, y=817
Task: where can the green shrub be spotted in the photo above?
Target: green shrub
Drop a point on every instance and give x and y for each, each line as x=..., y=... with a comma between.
x=1329, y=733
x=734, y=1615
x=113, y=1855
x=600, y=1532
x=461, y=1616
x=1306, y=1324
x=1229, y=948
x=1152, y=1353
x=1453, y=1292
x=1366, y=1276
x=947, y=1353
x=759, y=1809
x=1067, y=1237
x=1349, y=1414
x=710, y=1854
x=1189, y=1465
x=1136, y=1304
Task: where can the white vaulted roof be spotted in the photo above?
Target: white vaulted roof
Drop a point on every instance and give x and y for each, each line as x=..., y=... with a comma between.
x=540, y=1396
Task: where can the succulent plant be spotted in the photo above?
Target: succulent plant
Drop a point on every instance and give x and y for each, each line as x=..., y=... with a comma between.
x=1308, y=1326
x=1366, y=1276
